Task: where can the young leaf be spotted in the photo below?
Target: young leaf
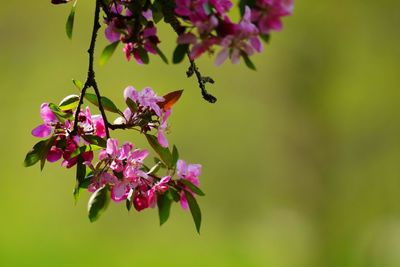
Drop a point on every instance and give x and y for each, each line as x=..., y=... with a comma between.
x=163, y=152
x=34, y=155
x=39, y=153
x=170, y=99
x=248, y=61
x=107, y=103
x=78, y=84
x=98, y=203
x=95, y=140
x=69, y=27
x=85, y=148
x=161, y=54
x=194, y=210
x=69, y=102
x=173, y=194
x=265, y=37
x=164, y=207
x=131, y=104
x=179, y=53
x=192, y=187
x=61, y=115
x=175, y=156
x=108, y=52
x=143, y=55
x=157, y=12
x=80, y=176
x=45, y=151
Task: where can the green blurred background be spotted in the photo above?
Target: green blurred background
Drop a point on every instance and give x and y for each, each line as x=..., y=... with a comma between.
x=301, y=158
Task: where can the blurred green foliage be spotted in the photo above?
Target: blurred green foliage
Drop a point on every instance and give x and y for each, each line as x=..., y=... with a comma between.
x=301, y=158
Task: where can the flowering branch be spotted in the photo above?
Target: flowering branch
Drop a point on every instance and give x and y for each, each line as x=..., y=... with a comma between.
x=70, y=133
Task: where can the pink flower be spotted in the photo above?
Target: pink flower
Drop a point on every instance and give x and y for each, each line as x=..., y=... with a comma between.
x=49, y=119
x=134, y=162
x=117, y=155
x=112, y=32
x=243, y=40
x=267, y=14
x=162, y=140
x=159, y=188
x=146, y=98
x=120, y=191
x=140, y=201
x=191, y=173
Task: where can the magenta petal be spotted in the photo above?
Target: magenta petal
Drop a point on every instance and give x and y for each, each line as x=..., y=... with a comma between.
x=41, y=131
x=181, y=168
x=46, y=114
x=222, y=56
x=183, y=201
x=161, y=139
x=119, y=192
x=54, y=154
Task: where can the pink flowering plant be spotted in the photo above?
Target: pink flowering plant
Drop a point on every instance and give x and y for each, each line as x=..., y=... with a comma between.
x=120, y=171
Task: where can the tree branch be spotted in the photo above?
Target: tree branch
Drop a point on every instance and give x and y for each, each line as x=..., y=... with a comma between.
x=171, y=19
x=91, y=81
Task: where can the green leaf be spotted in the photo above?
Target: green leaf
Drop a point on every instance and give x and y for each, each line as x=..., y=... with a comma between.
x=61, y=115
x=154, y=169
x=95, y=140
x=175, y=156
x=132, y=105
x=164, y=207
x=34, y=155
x=244, y=3
x=108, y=52
x=78, y=84
x=107, y=103
x=192, y=187
x=98, y=203
x=69, y=27
x=39, y=153
x=69, y=102
x=248, y=62
x=194, y=210
x=265, y=37
x=45, y=151
x=161, y=54
x=157, y=12
x=85, y=148
x=144, y=56
x=207, y=8
x=163, y=152
x=128, y=204
x=173, y=194
x=80, y=176
x=179, y=53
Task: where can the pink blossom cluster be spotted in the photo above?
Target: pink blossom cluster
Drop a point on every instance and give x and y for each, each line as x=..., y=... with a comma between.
x=122, y=170
x=119, y=170
x=210, y=25
x=204, y=25
x=132, y=27
x=63, y=144
x=147, y=104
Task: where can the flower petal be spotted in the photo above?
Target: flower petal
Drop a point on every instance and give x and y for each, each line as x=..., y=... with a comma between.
x=41, y=131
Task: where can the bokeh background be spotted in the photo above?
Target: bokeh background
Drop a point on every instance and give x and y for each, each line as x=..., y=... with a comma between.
x=301, y=158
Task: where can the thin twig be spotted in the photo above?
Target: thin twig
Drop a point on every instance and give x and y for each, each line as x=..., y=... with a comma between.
x=91, y=81
x=171, y=19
